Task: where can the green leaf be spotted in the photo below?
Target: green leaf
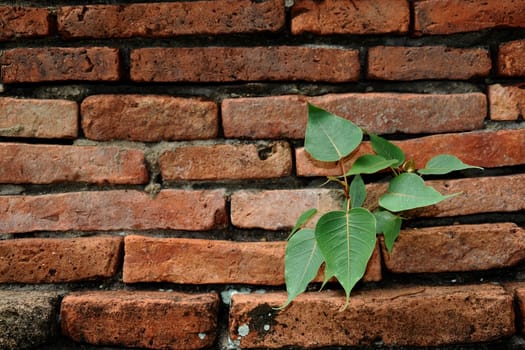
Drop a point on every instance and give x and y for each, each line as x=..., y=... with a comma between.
x=357, y=192
x=327, y=277
x=408, y=191
x=370, y=164
x=301, y=263
x=330, y=138
x=307, y=215
x=444, y=164
x=347, y=241
x=387, y=149
x=389, y=225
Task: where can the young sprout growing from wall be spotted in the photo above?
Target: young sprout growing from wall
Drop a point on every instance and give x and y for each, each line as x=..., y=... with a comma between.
x=344, y=240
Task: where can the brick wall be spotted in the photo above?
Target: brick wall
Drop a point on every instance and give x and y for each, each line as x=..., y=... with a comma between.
x=152, y=164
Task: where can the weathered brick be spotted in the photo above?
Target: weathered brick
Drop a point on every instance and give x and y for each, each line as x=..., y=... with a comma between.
x=114, y=210
x=506, y=102
x=148, y=118
x=380, y=113
x=27, y=318
x=33, y=65
x=230, y=64
x=427, y=62
x=226, y=161
x=47, y=260
x=356, y=17
x=199, y=261
x=23, y=22
x=38, y=118
x=487, y=149
x=510, y=59
x=44, y=164
x=407, y=316
x=456, y=248
x=279, y=209
x=152, y=320
x=170, y=19
x=457, y=16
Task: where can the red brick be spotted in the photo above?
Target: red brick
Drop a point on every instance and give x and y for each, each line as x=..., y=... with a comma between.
x=114, y=210
x=44, y=164
x=381, y=113
x=170, y=19
x=152, y=320
x=48, y=260
x=199, y=261
x=230, y=64
x=457, y=16
x=38, y=118
x=23, y=22
x=456, y=248
x=487, y=149
x=510, y=59
x=506, y=102
x=226, y=161
x=34, y=65
x=355, y=17
x=148, y=118
x=413, y=316
x=427, y=62
x=279, y=209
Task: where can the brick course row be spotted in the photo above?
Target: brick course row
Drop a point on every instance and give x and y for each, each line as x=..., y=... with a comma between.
x=431, y=17
x=278, y=63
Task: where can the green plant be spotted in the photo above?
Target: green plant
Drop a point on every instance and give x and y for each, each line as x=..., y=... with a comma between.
x=344, y=240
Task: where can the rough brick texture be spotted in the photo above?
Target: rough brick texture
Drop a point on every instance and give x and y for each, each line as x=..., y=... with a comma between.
x=23, y=22
x=506, y=102
x=28, y=318
x=278, y=209
x=510, y=62
x=170, y=19
x=38, y=118
x=227, y=161
x=152, y=320
x=380, y=113
x=113, y=210
x=47, y=260
x=457, y=248
x=199, y=261
x=519, y=289
x=501, y=148
x=229, y=64
x=456, y=16
x=148, y=118
x=415, y=316
x=356, y=17
x=33, y=65
x=427, y=62
x=44, y=164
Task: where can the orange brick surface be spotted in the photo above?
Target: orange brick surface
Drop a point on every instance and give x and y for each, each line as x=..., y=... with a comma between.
x=132, y=319
x=24, y=22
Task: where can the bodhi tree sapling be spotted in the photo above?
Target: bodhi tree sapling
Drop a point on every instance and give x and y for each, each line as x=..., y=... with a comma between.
x=344, y=240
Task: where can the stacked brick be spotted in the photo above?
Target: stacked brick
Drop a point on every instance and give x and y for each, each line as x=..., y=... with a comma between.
x=154, y=151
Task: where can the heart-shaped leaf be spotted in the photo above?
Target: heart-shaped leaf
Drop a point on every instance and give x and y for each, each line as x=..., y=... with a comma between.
x=444, y=164
x=357, y=192
x=330, y=138
x=347, y=241
x=303, y=218
x=387, y=149
x=389, y=225
x=370, y=164
x=408, y=191
x=301, y=264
